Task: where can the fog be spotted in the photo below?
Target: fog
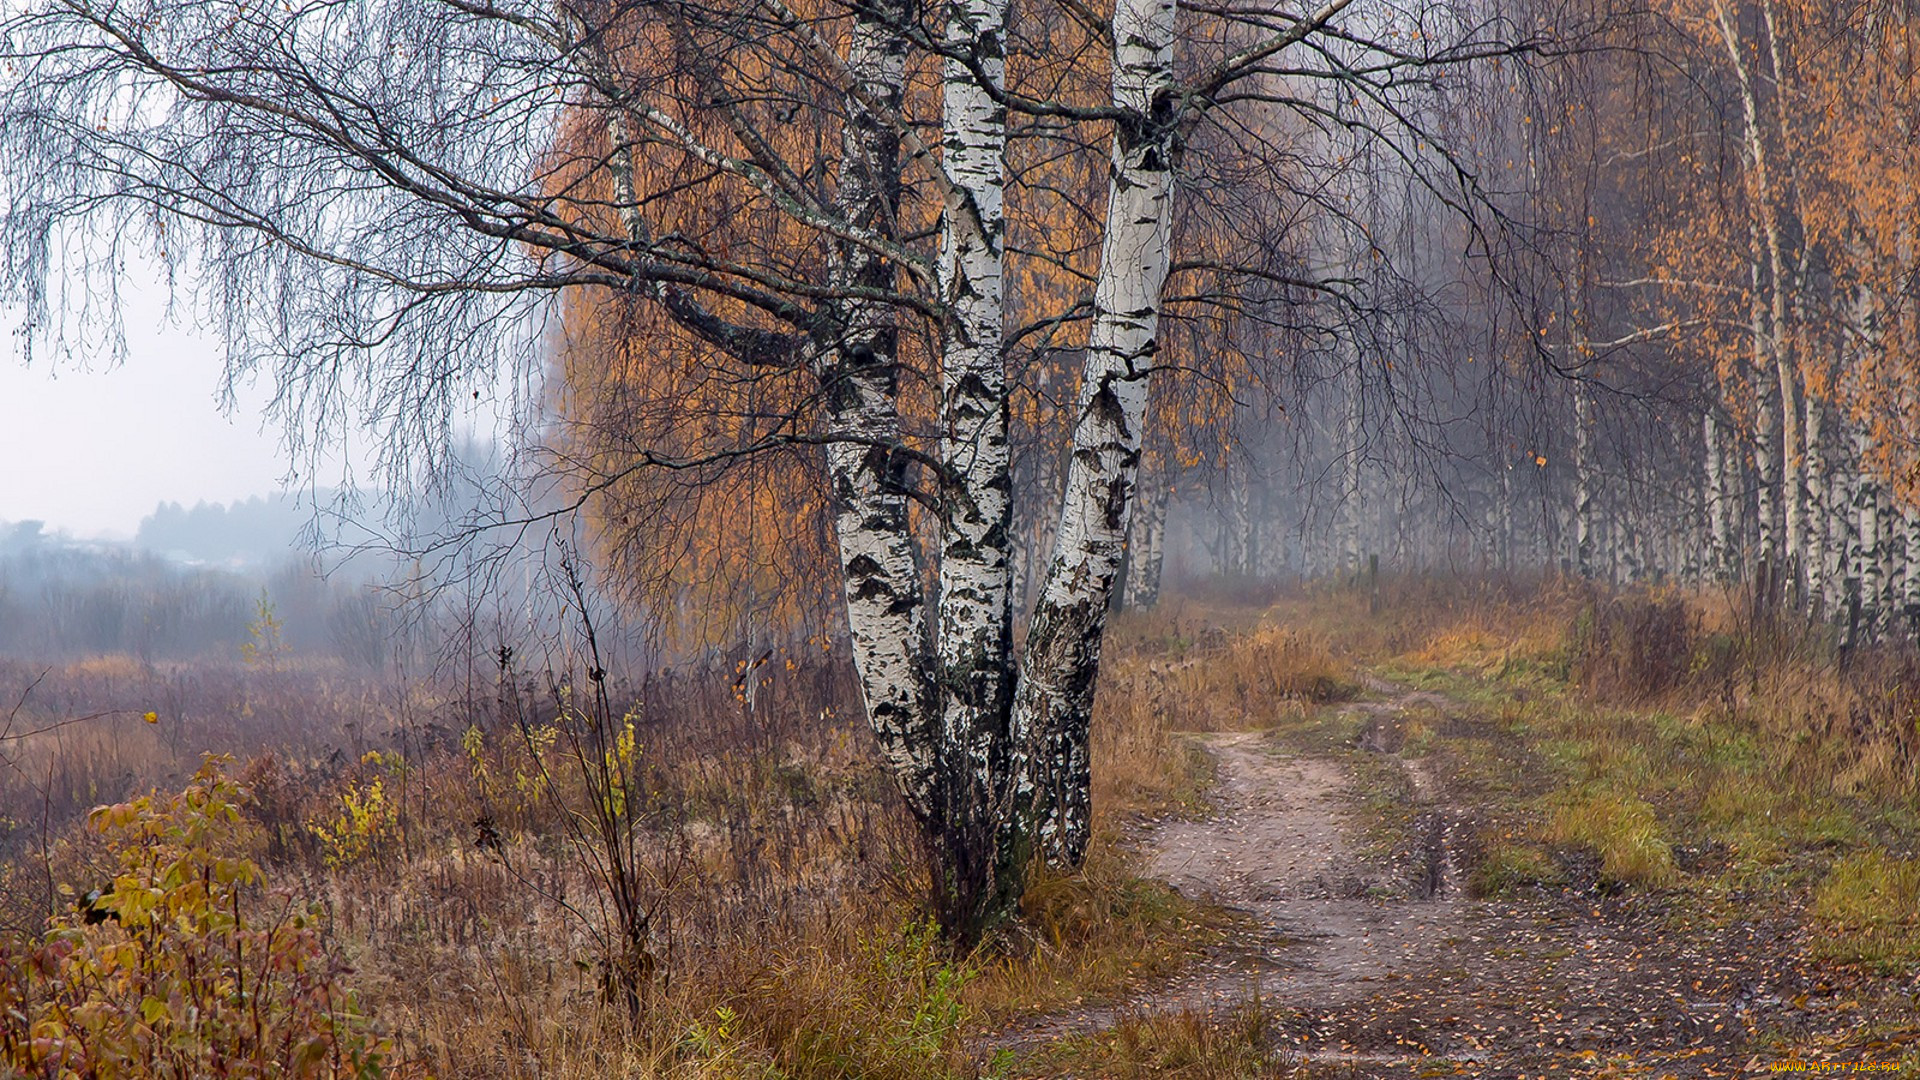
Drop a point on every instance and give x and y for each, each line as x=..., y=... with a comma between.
x=90, y=446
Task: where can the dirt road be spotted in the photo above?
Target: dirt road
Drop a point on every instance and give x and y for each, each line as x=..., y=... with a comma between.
x=1374, y=961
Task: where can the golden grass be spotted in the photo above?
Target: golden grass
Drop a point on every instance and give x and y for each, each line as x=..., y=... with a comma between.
x=1622, y=830
x=1179, y=1046
x=1275, y=663
x=784, y=879
x=786, y=884
x=789, y=889
x=1867, y=910
x=1199, y=676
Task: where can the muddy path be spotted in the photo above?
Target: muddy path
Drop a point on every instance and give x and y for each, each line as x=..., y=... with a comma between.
x=1374, y=962
x=1283, y=850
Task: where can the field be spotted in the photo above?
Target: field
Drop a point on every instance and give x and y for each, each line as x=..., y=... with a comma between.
x=1534, y=788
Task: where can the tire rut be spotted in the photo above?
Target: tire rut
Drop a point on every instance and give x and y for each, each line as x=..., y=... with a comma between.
x=1333, y=923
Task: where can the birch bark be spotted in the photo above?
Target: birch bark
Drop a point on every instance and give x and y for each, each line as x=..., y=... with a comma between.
x=1819, y=568
x=1719, y=539
x=1770, y=331
x=1766, y=470
x=1886, y=573
x=1049, y=771
x=1505, y=561
x=1583, y=524
x=1240, y=546
x=1863, y=555
x=975, y=642
x=886, y=604
x=1352, y=445
x=1910, y=570
x=1146, y=542
x=881, y=576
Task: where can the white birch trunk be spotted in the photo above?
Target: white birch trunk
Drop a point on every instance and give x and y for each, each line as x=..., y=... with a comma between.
x=1146, y=543
x=1506, y=538
x=1055, y=695
x=1848, y=507
x=1910, y=568
x=881, y=574
x=1820, y=514
x=1272, y=532
x=1780, y=553
x=1886, y=517
x=1583, y=523
x=1836, y=522
x=1352, y=443
x=975, y=641
x=1719, y=535
x=1793, y=476
x=886, y=606
x=1766, y=473
x=1240, y=539
x=1866, y=548
x=1628, y=534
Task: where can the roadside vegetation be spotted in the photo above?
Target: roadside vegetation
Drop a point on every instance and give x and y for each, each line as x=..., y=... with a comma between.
x=770, y=876
x=442, y=857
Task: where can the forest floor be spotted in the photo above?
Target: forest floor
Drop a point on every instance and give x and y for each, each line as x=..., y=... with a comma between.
x=1383, y=929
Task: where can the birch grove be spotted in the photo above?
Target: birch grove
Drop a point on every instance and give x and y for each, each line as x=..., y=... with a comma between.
x=1700, y=370
x=743, y=211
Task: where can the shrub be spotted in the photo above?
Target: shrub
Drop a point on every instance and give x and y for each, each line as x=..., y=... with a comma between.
x=1634, y=648
x=362, y=825
x=182, y=968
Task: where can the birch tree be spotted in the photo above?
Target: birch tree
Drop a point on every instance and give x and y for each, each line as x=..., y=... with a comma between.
x=378, y=203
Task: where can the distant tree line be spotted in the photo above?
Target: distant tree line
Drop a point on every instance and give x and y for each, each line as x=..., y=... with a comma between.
x=1694, y=363
x=60, y=600
x=250, y=532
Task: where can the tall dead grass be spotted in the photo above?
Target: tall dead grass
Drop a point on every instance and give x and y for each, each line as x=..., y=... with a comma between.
x=1827, y=719
x=1185, y=674
x=786, y=888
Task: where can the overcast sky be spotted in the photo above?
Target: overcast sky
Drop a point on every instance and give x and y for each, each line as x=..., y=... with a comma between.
x=91, y=449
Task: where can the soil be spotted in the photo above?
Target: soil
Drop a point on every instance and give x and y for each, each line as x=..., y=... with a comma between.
x=1374, y=962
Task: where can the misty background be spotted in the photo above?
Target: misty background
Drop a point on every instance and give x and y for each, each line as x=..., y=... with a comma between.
x=149, y=504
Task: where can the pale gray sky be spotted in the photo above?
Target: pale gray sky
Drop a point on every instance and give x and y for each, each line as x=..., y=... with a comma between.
x=92, y=449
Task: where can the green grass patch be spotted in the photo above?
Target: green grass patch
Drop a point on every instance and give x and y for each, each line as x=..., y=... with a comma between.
x=1622, y=830
x=1867, y=910
x=1510, y=868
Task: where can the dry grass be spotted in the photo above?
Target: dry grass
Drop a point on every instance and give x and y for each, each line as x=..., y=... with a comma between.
x=786, y=886
x=1180, y=1046
x=784, y=882
x=1194, y=675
